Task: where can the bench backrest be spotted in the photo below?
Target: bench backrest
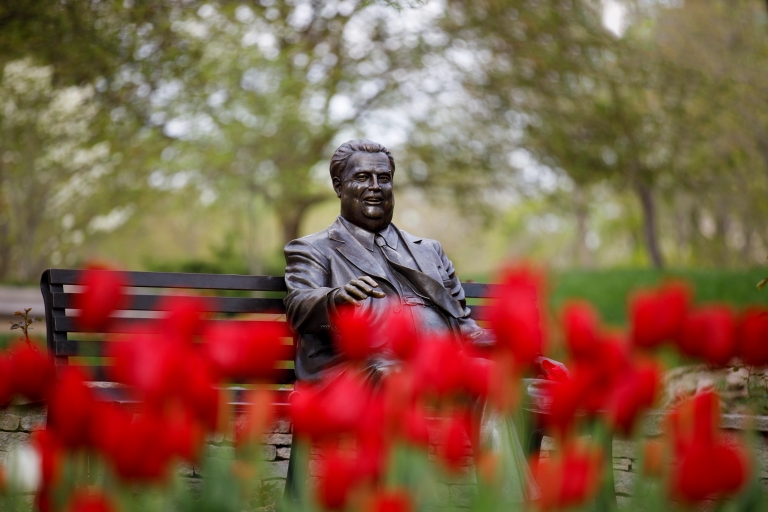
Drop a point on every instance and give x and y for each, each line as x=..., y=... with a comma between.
x=256, y=298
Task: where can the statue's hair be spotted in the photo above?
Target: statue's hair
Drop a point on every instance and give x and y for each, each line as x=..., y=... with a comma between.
x=345, y=151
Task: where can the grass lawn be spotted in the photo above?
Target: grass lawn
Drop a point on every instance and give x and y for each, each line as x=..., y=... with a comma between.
x=608, y=290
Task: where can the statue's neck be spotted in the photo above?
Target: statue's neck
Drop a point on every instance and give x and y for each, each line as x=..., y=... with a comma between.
x=370, y=225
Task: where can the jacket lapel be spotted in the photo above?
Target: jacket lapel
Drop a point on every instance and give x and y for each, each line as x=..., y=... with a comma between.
x=353, y=251
x=430, y=281
x=424, y=256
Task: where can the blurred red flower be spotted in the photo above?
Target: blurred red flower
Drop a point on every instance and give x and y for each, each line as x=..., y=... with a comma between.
x=148, y=363
x=570, y=478
x=6, y=382
x=145, y=448
x=753, y=337
x=183, y=318
x=401, y=332
x=439, y=367
x=245, y=351
x=392, y=501
x=337, y=476
x=32, y=372
x=353, y=332
x=710, y=332
x=51, y=456
x=199, y=391
x=103, y=293
x=415, y=426
x=70, y=408
x=581, y=323
x=454, y=439
x=185, y=435
x=89, y=501
x=516, y=314
x=657, y=315
x=707, y=465
x=634, y=393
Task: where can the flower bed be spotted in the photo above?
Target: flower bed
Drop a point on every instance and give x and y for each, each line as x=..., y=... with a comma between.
x=410, y=438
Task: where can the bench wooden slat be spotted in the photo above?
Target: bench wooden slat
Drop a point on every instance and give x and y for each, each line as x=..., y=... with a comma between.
x=99, y=348
x=128, y=325
x=213, y=304
x=101, y=374
x=183, y=280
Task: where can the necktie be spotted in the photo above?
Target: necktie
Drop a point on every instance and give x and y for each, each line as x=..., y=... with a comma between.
x=423, y=283
x=392, y=255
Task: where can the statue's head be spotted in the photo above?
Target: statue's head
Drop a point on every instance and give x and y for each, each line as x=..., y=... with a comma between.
x=362, y=172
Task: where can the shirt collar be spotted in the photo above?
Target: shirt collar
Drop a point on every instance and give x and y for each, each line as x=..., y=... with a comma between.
x=365, y=237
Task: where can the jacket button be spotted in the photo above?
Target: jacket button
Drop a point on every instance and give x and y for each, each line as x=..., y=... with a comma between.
x=396, y=309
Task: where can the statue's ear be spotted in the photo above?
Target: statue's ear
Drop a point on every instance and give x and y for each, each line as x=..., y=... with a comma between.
x=337, y=186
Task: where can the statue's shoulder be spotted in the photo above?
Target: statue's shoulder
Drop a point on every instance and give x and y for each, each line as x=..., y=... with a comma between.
x=317, y=240
x=427, y=242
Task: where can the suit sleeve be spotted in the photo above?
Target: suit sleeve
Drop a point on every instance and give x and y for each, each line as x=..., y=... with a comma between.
x=307, y=277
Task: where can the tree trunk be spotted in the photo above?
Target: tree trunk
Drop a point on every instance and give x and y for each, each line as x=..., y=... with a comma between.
x=650, y=232
x=583, y=253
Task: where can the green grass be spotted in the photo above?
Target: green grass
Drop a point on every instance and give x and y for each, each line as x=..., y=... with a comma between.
x=608, y=290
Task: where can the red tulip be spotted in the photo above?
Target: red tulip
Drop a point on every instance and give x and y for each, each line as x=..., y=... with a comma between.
x=609, y=366
x=184, y=317
x=571, y=478
x=710, y=332
x=657, y=315
x=245, y=351
x=566, y=398
x=109, y=423
x=516, y=315
x=338, y=475
x=634, y=393
x=439, y=367
x=199, y=391
x=480, y=375
x=753, y=337
x=6, y=382
x=416, y=426
x=402, y=333
x=149, y=364
x=89, y=501
x=581, y=323
x=707, y=465
x=553, y=372
x=184, y=433
x=51, y=456
x=32, y=372
x=70, y=409
x=103, y=293
x=455, y=436
x=392, y=501
x=352, y=334
x=145, y=450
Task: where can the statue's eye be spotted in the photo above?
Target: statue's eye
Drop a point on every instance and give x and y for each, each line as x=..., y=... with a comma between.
x=385, y=178
x=361, y=177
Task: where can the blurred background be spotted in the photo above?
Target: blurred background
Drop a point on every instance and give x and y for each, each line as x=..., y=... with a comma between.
x=616, y=142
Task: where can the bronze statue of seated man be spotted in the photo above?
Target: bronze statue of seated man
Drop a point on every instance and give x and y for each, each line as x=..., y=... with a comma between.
x=364, y=260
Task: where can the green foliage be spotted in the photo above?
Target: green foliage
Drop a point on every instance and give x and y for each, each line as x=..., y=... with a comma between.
x=609, y=290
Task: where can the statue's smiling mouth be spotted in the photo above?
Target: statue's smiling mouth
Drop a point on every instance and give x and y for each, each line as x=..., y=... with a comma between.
x=373, y=200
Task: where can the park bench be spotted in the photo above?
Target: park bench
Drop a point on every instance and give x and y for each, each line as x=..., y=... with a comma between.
x=260, y=298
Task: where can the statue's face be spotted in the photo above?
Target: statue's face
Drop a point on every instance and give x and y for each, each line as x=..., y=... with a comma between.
x=365, y=190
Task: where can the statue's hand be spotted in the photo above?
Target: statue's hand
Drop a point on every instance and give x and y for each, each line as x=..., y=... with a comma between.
x=550, y=369
x=357, y=290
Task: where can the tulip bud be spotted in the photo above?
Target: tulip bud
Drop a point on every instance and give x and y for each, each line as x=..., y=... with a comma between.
x=103, y=293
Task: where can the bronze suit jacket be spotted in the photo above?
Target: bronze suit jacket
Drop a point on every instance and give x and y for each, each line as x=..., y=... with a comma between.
x=320, y=263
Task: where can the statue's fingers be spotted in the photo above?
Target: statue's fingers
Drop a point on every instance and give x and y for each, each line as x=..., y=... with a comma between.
x=378, y=294
x=362, y=286
x=354, y=291
x=345, y=297
x=369, y=280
